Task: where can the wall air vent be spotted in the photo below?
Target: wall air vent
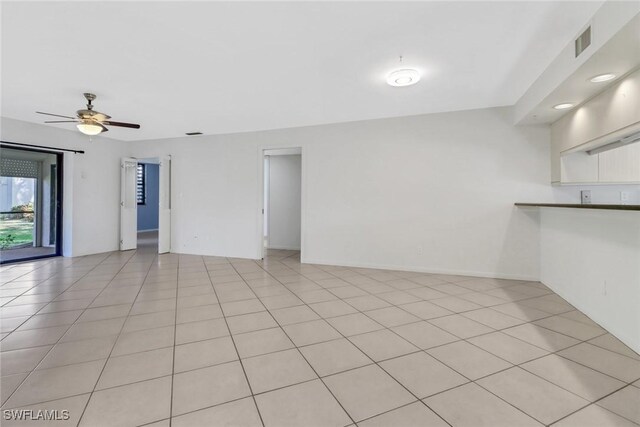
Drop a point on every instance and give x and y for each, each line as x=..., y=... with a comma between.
x=193, y=133
x=583, y=41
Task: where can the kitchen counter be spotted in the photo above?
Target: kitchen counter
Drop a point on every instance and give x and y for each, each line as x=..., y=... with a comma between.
x=581, y=206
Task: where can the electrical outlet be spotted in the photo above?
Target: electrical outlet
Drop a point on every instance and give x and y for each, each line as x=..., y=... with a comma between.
x=624, y=196
x=585, y=197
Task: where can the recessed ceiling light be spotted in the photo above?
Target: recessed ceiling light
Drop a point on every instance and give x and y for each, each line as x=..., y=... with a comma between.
x=404, y=77
x=563, y=106
x=602, y=78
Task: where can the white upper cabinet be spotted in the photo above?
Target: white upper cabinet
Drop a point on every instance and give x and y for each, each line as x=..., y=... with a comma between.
x=620, y=165
x=579, y=168
x=610, y=114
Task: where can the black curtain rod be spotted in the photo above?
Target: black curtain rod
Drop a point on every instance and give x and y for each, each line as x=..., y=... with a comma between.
x=43, y=146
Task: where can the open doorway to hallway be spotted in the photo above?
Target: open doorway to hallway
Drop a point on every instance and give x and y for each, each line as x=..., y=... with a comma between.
x=282, y=206
x=148, y=197
x=30, y=204
x=145, y=203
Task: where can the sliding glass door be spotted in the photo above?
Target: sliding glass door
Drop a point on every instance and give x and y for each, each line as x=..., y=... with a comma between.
x=30, y=204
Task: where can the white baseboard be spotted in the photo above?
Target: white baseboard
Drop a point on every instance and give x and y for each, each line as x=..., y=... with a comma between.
x=283, y=248
x=421, y=269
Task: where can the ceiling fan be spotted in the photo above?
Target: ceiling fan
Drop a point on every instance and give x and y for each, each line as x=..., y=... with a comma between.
x=89, y=121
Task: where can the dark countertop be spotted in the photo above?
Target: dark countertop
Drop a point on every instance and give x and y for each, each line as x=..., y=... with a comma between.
x=580, y=206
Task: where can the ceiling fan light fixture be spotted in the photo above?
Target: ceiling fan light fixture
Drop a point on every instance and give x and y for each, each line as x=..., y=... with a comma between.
x=404, y=77
x=90, y=129
x=88, y=121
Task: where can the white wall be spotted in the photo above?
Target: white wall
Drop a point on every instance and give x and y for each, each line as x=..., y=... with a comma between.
x=600, y=194
x=91, y=191
x=285, y=178
x=431, y=192
x=592, y=259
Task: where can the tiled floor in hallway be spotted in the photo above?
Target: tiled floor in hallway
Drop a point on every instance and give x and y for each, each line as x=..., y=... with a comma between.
x=132, y=338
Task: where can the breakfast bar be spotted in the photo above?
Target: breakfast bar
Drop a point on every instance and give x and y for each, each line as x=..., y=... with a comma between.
x=590, y=255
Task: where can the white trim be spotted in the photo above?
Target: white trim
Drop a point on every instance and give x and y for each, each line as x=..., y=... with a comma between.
x=148, y=229
x=283, y=248
x=417, y=269
x=260, y=200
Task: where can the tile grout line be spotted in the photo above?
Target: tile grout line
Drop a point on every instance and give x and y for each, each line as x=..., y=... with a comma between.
x=474, y=381
x=58, y=341
x=366, y=355
x=117, y=338
x=318, y=377
x=595, y=402
x=246, y=377
x=325, y=319
x=470, y=381
x=175, y=333
x=518, y=365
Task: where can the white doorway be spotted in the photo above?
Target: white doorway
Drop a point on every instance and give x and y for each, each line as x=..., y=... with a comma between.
x=148, y=206
x=282, y=200
x=145, y=206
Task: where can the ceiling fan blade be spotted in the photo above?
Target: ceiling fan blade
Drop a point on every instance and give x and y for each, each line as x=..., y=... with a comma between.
x=104, y=129
x=100, y=116
x=61, y=121
x=56, y=115
x=120, y=124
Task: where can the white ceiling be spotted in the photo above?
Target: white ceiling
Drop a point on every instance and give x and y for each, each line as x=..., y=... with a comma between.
x=222, y=67
x=619, y=56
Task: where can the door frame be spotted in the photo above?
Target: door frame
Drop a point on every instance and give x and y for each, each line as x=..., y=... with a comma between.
x=157, y=160
x=303, y=196
x=164, y=202
x=59, y=200
x=124, y=246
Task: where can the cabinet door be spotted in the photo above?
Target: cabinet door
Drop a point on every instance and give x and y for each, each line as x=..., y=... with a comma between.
x=620, y=165
x=579, y=167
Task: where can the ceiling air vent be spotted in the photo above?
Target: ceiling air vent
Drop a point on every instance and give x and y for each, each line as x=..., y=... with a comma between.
x=583, y=41
x=193, y=133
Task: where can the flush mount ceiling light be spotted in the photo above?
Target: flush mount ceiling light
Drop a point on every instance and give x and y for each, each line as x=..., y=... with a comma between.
x=404, y=77
x=602, y=78
x=89, y=128
x=563, y=106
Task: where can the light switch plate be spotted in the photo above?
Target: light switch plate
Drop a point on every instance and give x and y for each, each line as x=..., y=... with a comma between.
x=585, y=197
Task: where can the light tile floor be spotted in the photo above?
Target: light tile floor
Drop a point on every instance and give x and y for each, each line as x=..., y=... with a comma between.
x=132, y=338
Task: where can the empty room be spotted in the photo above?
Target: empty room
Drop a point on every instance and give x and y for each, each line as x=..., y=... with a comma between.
x=320, y=213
